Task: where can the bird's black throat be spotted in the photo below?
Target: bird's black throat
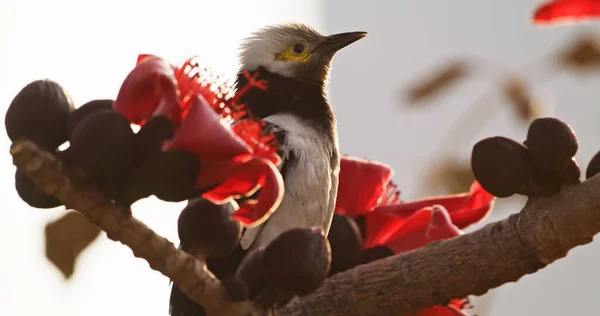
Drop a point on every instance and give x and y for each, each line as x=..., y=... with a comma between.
x=288, y=95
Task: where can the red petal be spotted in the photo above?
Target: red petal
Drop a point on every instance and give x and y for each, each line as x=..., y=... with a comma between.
x=441, y=311
x=418, y=230
x=465, y=208
x=253, y=134
x=149, y=89
x=412, y=234
x=217, y=147
x=435, y=311
x=476, y=208
x=555, y=12
x=362, y=184
x=247, y=176
x=379, y=228
x=441, y=226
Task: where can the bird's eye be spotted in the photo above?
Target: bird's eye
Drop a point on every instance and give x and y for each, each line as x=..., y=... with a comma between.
x=298, y=48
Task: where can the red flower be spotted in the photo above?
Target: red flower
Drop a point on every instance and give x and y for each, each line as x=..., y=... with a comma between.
x=362, y=186
x=236, y=156
x=365, y=189
x=558, y=11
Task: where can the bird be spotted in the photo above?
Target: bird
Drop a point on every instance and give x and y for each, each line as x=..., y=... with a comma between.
x=295, y=61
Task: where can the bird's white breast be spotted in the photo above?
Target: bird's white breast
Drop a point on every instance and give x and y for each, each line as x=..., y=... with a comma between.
x=308, y=199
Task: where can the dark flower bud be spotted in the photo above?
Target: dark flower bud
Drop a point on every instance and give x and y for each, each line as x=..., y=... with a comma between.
x=551, y=143
x=346, y=243
x=251, y=272
x=102, y=145
x=361, y=222
x=227, y=265
x=149, y=138
x=549, y=182
x=85, y=110
x=39, y=112
x=298, y=261
x=206, y=229
x=33, y=195
x=501, y=165
x=593, y=167
x=236, y=289
x=374, y=254
x=172, y=175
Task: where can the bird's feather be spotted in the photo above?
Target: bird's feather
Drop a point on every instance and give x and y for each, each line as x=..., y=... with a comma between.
x=307, y=182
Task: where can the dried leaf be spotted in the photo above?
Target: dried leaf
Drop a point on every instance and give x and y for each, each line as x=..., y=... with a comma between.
x=66, y=238
x=435, y=83
x=518, y=95
x=583, y=54
x=452, y=176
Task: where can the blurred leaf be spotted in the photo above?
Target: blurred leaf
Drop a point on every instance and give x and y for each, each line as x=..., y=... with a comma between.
x=451, y=176
x=583, y=54
x=436, y=82
x=518, y=95
x=66, y=238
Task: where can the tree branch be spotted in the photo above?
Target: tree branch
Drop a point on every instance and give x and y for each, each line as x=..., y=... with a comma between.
x=471, y=264
x=189, y=274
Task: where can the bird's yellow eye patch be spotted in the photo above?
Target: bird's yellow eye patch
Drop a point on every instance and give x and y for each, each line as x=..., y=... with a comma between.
x=296, y=52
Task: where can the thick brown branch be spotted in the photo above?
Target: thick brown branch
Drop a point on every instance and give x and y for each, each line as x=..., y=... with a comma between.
x=501, y=252
x=188, y=273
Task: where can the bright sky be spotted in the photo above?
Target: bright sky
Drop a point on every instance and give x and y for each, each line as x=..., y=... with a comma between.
x=89, y=47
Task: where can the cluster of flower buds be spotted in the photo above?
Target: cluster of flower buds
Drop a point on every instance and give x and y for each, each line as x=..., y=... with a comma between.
x=39, y=112
x=124, y=165
x=194, y=139
x=294, y=264
x=539, y=166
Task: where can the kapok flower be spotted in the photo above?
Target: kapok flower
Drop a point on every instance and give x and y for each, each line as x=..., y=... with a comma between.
x=366, y=191
x=561, y=11
x=237, y=157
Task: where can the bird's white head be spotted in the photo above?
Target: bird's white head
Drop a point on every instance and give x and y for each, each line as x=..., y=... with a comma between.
x=294, y=50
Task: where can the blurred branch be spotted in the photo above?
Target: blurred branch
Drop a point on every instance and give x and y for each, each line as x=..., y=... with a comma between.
x=544, y=231
x=187, y=273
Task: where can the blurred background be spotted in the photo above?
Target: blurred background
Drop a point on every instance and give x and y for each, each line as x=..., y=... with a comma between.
x=429, y=80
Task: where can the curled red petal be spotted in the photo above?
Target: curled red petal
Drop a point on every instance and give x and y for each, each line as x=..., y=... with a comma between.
x=476, y=208
x=246, y=177
x=379, y=227
x=441, y=311
x=412, y=234
x=562, y=11
x=149, y=89
x=203, y=134
x=441, y=226
x=362, y=185
x=262, y=144
x=435, y=311
x=465, y=208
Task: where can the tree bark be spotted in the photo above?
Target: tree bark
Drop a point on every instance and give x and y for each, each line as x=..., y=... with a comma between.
x=471, y=264
x=190, y=275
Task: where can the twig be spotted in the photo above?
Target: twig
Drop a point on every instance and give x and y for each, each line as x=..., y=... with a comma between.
x=187, y=272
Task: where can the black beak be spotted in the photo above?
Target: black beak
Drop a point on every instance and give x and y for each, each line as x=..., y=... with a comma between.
x=335, y=42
